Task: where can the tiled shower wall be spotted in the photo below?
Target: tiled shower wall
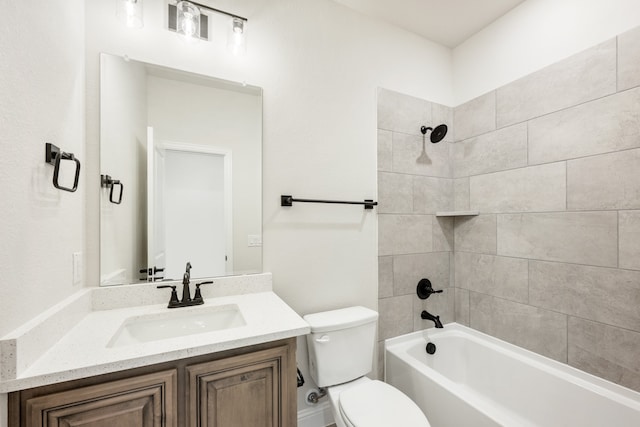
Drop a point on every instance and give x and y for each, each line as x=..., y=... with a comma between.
x=552, y=163
x=552, y=263
x=414, y=181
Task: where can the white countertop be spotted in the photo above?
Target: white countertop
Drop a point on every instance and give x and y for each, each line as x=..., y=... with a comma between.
x=83, y=350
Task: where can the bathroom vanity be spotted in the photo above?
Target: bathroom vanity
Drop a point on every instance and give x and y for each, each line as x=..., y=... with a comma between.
x=128, y=360
x=249, y=386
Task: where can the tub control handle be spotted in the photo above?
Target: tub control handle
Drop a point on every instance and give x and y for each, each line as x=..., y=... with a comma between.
x=424, y=289
x=323, y=338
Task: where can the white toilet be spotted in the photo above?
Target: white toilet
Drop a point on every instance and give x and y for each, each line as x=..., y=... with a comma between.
x=341, y=346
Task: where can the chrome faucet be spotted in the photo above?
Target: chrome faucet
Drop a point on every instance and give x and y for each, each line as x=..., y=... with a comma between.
x=186, y=293
x=428, y=316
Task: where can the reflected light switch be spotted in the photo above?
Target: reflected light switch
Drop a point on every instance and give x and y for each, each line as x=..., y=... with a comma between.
x=255, y=240
x=77, y=268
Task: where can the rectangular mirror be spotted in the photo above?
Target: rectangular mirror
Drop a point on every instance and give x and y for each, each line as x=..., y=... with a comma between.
x=181, y=174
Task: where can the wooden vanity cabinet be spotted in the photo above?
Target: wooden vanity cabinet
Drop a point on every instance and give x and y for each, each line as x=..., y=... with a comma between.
x=247, y=387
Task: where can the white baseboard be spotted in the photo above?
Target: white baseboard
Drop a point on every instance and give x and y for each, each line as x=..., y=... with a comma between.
x=315, y=416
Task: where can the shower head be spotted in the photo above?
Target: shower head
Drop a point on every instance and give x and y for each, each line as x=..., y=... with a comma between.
x=437, y=134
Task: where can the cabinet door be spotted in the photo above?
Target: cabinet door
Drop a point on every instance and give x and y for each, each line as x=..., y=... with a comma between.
x=249, y=390
x=143, y=401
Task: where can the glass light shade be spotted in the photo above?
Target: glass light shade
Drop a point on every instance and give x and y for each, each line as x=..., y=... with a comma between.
x=237, y=37
x=188, y=20
x=129, y=12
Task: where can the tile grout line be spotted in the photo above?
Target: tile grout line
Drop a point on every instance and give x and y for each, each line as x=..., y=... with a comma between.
x=566, y=186
x=617, y=63
x=618, y=238
x=567, y=336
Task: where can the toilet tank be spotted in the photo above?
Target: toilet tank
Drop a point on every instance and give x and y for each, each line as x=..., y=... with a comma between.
x=341, y=344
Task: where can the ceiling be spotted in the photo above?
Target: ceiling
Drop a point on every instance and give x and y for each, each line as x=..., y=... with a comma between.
x=447, y=22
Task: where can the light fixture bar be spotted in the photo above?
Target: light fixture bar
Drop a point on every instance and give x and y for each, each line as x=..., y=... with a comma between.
x=213, y=9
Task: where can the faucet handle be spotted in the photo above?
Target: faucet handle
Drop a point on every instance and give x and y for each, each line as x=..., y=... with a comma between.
x=198, y=295
x=424, y=289
x=173, y=301
x=204, y=283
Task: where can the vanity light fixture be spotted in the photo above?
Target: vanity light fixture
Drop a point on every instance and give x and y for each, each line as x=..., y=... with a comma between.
x=129, y=12
x=188, y=18
x=237, y=40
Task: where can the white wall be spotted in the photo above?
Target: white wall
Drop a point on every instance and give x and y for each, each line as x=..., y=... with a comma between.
x=533, y=35
x=42, y=79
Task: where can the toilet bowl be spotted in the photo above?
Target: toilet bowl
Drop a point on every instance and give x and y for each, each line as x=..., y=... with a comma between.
x=372, y=403
x=341, y=345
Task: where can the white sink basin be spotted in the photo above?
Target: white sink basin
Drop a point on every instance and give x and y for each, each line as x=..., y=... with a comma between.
x=177, y=322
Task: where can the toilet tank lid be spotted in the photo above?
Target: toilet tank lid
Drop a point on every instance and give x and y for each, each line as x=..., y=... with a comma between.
x=343, y=318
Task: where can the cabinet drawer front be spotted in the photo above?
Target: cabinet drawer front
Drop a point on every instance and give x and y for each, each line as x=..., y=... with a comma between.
x=147, y=401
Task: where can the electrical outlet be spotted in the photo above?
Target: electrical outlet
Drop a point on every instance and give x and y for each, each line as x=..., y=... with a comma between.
x=77, y=268
x=255, y=240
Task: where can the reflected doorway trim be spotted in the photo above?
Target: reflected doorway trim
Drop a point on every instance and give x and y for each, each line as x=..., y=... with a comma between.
x=228, y=199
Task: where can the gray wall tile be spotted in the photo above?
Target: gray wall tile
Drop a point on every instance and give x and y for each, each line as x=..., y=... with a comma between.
x=629, y=59
x=431, y=195
x=412, y=156
x=493, y=275
x=395, y=193
x=442, y=234
x=605, y=351
x=442, y=305
x=475, y=117
x=476, y=234
x=462, y=306
x=402, y=113
x=576, y=237
x=629, y=229
x=607, y=181
x=396, y=316
x=404, y=234
x=542, y=331
x=461, y=194
x=535, y=188
x=385, y=150
x=582, y=77
x=606, y=295
x=409, y=269
x=492, y=152
x=604, y=125
x=385, y=276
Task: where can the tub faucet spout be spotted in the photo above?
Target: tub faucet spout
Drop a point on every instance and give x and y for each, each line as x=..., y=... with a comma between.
x=428, y=316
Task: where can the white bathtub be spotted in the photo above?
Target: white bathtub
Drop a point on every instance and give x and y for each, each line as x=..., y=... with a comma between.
x=476, y=380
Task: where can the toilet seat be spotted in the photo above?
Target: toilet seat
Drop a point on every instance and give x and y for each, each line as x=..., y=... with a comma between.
x=377, y=404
